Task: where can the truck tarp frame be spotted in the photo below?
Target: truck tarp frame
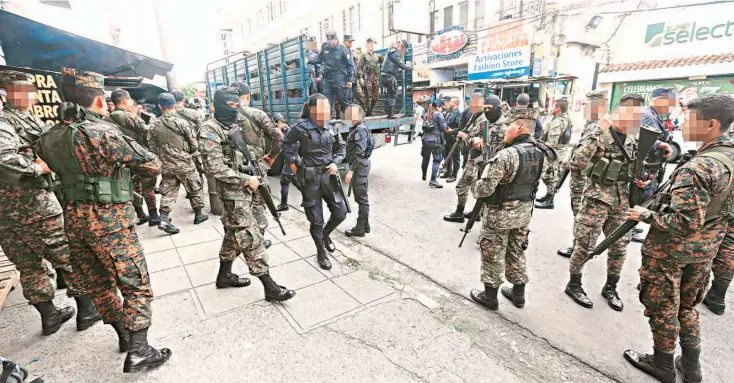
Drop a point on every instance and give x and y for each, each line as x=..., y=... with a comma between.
x=31, y=44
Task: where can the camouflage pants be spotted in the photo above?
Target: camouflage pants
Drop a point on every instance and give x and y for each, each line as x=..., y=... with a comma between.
x=670, y=292
x=110, y=262
x=242, y=234
x=594, y=217
x=359, y=96
x=371, y=91
x=468, y=178
x=28, y=246
x=576, y=183
x=503, y=251
x=169, y=190
x=723, y=265
x=144, y=191
x=552, y=171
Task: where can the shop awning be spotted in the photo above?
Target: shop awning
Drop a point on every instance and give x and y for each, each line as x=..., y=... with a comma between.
x=669, y=63
x=27, y=43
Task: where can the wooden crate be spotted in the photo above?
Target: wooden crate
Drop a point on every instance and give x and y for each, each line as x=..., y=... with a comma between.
x=9, y=278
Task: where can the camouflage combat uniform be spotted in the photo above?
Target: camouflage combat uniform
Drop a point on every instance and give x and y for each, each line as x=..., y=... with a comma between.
x=31, y=220
x=578, y=180
x=192, y=117
x=242, y=230
x=172, y=139
x=369, y=68
x=474, y=128
x=102, y=237
x=134, y=127
x=552, y=138
x=359, y=90
x=255, y=125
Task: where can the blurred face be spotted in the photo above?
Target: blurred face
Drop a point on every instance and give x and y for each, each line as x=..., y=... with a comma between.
x=333, y=43
x=245, y=99
x=516, y=129
x=353, y=114
x=22, y=96
x=348, y=44
x=556, y=110
x=476, y=105
x=595, y=109
x=698, y=129
x=454, y=103
x=663, y=105
x=281, y=125
x=370, y=47
x=321, y=112
x=627, y=118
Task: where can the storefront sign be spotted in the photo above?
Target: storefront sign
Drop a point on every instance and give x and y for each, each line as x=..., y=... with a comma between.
x=421, y=74
x=47, y=84
x=422, y=96
x=503, y=53
x=686, y=90
x=460, y=74
x=448, y=44
x=667, y=33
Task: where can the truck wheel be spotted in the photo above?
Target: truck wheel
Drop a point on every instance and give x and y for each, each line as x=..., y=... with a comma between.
x=277, y=166
x=676, y=153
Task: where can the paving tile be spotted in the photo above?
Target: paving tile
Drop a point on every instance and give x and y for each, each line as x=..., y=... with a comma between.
x=360, y=286
x=200, y=252
x=280, y=254
x=203, y=273
x=296, y=275
x=215, y=301
x=270, y=237
x=317, y=303
x=302, y=246
x=195, y=236
x=156, y=244
x=16, y=297
x=220, y=229
x=291, y=231
x=339, y=266
x=162, y=260
x=169, y=281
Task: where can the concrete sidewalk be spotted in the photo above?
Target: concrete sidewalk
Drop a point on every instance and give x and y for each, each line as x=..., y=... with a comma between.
x=359, y=322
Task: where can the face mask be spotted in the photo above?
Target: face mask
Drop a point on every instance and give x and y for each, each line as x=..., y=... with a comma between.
x=493, y=115
x=223, y=112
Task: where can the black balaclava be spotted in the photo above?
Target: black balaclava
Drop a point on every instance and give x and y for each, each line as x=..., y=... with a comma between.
x=223, y=112
x=495, y=113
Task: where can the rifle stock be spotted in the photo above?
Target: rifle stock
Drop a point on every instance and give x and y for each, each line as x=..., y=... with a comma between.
x=472, y=219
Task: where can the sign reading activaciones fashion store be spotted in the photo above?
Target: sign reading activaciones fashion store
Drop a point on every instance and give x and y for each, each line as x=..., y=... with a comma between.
x=504, y=52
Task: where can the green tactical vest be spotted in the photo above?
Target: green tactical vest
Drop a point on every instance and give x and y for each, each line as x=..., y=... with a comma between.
x=58, y=146
x=119, y=119
x=611, y=168
x=721, y=204
x=170, y=136
x=253, y=134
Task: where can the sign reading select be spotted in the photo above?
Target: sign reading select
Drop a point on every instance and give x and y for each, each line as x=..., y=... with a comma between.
x=658, y=34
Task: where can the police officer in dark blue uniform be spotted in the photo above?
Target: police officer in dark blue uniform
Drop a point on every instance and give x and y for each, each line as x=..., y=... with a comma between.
x=338, y=71
x=290, y=156
x=348, y=40
x=314, y=70
x=388, y=74
x=433, y=141
x=322, y=149
x=452, y=115
x=359, y=149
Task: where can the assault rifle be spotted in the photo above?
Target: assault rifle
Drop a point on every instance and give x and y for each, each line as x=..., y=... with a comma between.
x=238, y=140
x=477, y=209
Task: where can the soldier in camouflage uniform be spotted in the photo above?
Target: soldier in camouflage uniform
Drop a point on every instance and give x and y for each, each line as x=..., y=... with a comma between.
x=369, y=69
x=595, y=107
x=237, y=190
x=255, y=125
x=172, y=139
x=507, y=188
x=358, y=87
x=31, y=221
x=132, y=125
x=193, y=117
x=557, y=137
x=723, y=268
x=487, y=115
x=682, y=241
x=93, y=162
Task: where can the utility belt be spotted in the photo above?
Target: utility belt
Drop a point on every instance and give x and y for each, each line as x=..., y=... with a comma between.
x=608, y=171
x=335, y=71
x=115, y=189
x=309, y=173
x=47, y=181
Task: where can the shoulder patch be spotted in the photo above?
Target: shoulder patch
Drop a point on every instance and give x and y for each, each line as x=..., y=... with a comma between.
x=210, y=137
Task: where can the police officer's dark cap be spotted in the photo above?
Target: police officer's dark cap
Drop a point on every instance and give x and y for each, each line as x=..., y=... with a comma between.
x=312, y=39
x=178, y=95
x=242, y=88
x=348, y=38
x=405, y=44
x=277, y=117
x=663, y=92
x=331, y=36
x=370, y=40
x=438, y=102
x=166, y=100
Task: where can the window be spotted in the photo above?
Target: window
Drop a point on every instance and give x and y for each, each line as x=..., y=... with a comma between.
x=344, y=22
x=420, y=38
x=280, y=3
x=434, y=21
x=327, y=26
x=321, y=31
x=464, y=14
x=480, y=9
x=359, y=17
x=448, y=16
x=249, y=27
x=506, y=9
x=351, y=21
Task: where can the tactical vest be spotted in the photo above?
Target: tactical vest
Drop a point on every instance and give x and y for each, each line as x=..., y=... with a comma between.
x=611, y=168
x=253, y=133
x=119, y=119
x=58, y=146
x=171, y=136
x=371, y=64
x=352, y=144
x=721, y=205
x=310, y=143
x=527, y=178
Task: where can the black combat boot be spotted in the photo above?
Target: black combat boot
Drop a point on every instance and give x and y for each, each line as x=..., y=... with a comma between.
x=444, y=174
x=658, y=365
x=60, y=280
x=715, y=297
x=166, y=225
x=423, y=177
x=53, y=317
x=516, y=294
x=282, y=207
x=86, y=314
x=547, y=203
x=199, y=217
x=543, y=198
x=452, y=179
x=153, y=219
x=328, y=243
x=688, y=364
x=457, y=216
x=274, y=291
x=574, y=290
x=486, y=298
x=358, y=229
x=122, y=336
x=435, y=184
x=566, y=252
x=141, y=355
x=322, y=257
x=367, y=228
x=610, y=293
x=226, y=278
x=142, y=217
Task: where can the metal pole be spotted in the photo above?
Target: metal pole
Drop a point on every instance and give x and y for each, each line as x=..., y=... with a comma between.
x=596, y=76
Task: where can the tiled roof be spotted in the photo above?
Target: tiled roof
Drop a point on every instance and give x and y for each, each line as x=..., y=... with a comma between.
x=676, y=62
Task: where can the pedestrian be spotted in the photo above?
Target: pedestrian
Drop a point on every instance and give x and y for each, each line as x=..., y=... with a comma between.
x=255, y=125
x=594, y=108
x=338, y=72
x=101, y=225
x=486, y=118
x=723, y=269
x=172, y=139
x=31, y=220
x=130, y=124
x=556, y=137
x=662, y=101
x=433, y=141
x=314, y=69
x=359, y=149
x=290, y=156
x=237, y=191
x=507, y=188
x=453, y=118
x=389, y=71
x=683, y=239
x=192, y=116
x=322, y=149
x=369, y=67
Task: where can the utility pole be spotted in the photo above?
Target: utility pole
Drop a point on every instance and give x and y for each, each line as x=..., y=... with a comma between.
x=171, y=80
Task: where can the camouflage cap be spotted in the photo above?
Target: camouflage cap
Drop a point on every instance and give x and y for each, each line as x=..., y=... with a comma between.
x=82, y=78
x=14, y=77
x=521, y=114
x=599, y=94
